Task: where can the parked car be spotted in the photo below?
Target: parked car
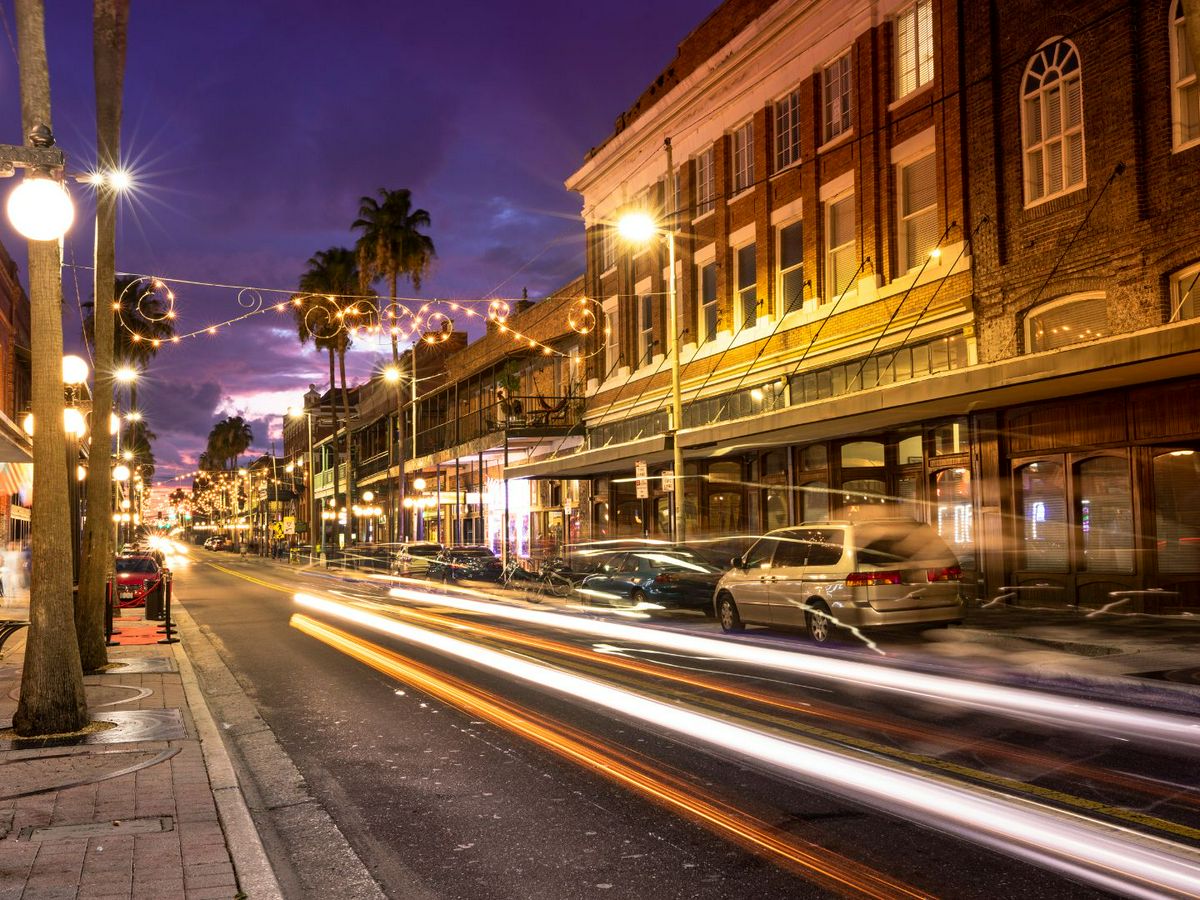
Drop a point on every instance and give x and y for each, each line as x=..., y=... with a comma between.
x=413, y=558
x=137, y=576
x=820, y=576
x=675, y=578
x=459, y=562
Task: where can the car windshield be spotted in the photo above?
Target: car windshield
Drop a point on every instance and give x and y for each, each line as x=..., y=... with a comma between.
x=136, y=565
x=677, y=561
x=891, y=545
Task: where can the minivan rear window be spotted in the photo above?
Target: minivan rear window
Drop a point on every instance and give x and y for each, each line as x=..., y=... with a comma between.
x=892, y=546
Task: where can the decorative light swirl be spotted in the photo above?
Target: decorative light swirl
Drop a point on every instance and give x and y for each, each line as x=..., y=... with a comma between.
x=499, y=310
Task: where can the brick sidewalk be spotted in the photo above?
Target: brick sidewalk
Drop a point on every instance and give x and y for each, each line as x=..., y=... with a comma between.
x=98, y=829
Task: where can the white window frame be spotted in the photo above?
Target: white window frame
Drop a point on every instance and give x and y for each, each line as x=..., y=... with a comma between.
x=923, y=67
x=903, y=219
x=645, y=323
x=1042, y=308
x=612, y=335
x=738, y=291
x=743, y=157
x=1046, y=146
x=706, y=182
x=608, y=249
x=1185, y=294
x=703, y=259
x=1178, y=84
x=842, y=104
x=782, y=300
x=787, y=130
x=831, y=294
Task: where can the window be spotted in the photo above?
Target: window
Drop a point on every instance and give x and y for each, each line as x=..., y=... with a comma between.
x=814, y=500
x=1052, y=120
x=1185, y=285
x=916, y=192
x=835, y=87
x=608, y=248
x=859, y=454
x=743, y=157
x=791, y=267
x=747, y=285
x=1043, y=514
x=953, y=518
x=612, y=341
x=1177, y=510
x=706, y=185
x=1185, y=90
x=914, y=47
x=1065, y=322
x=676, y=197
x=706, y=287
x=645, y=329
x=787, y=131
x=1104, y=510
x=839, y=240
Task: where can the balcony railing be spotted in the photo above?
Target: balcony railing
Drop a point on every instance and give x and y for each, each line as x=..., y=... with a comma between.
x=531, y=415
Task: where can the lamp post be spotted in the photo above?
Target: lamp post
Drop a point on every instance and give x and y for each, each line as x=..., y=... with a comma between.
x=638, y=227
x=393, y=376
x=296, y=412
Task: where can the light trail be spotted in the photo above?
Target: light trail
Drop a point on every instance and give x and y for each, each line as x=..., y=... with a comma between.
x=1092, y=851
x=823, y=866
x=1037, y=706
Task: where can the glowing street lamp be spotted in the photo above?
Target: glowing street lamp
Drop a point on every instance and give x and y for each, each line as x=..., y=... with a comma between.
x=75, y=370
x=126, y=374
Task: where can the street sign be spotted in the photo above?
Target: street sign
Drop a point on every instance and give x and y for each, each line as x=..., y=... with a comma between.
x=289, y=524
x=668, y=479
x=642, y=475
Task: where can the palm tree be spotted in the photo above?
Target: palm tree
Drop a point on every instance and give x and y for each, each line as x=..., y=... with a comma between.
x=321, y=317
x=228, y=440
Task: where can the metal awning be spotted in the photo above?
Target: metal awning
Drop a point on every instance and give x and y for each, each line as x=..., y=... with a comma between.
x=15, y=445
x=652, y=450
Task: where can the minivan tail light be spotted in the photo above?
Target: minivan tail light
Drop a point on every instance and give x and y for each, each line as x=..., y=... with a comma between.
x=949, y=573
x=869, y=579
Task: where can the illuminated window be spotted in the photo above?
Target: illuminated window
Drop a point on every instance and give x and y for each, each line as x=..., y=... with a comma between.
x=706, y=289
x=1185, y=89
x=839, y=246
x=612, y=343
x=706, y=184
x=743, y=157
x=1052, y=122
x=914, y=47
x=835, y=89
x=791, y=266
x=747, y=285
x=916, y=194
x=1071, y=320
x=645, y=329
x=608, y=248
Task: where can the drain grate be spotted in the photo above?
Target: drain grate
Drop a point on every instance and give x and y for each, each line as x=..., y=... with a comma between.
x=117, y=828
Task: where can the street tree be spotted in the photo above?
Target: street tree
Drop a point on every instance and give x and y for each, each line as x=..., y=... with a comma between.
x=52, y=699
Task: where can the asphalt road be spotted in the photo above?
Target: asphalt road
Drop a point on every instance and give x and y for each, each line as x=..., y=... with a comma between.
x=453, y=779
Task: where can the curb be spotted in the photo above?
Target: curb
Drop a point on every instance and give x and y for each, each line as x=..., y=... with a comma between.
x=255, y=875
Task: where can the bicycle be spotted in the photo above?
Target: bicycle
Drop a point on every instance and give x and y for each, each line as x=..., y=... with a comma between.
x=548, y=578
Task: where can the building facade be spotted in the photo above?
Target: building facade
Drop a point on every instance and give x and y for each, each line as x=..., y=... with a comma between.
x=16, y=451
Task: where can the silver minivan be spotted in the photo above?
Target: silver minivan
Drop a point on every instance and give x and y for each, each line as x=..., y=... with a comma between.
x=821, y=575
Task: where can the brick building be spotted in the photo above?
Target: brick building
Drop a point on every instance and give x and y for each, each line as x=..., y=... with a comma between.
x=16, y=473
x=936, y=263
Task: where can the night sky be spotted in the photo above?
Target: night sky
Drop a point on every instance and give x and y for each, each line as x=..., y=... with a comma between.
x=253, y=128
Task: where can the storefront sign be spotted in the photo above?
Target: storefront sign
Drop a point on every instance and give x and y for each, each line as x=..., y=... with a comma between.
x=641, y=474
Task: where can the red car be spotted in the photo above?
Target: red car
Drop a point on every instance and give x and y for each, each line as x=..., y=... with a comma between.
x=137, y=576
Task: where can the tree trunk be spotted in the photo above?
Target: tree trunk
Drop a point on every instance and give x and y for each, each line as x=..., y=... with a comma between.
x=333, y=418
x=109, y=27
x=349, y=461
x=52, y=698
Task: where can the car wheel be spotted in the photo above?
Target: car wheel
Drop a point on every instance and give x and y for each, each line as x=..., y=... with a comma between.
x=819, y=622
x=727, y=614
x=638, y=597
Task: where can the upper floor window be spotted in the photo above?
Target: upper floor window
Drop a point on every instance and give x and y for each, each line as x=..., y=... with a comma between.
x=787, y=131
x=608, y=248
x=747, y=285
x=706, y=184
x=1185, y=90
x=835, y=88
x=706, y=287
x=1071, y=320
x=791, y=267
x=914, y=47
x=1185, y=285
x=916, y=194
x=645, y=329
x=612, y=340
x=743, y=157
x=1052, y=122
x=839, y=245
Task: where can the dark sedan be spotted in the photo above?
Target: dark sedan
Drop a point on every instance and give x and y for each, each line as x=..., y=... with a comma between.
x=470, y=563
x=665, y=577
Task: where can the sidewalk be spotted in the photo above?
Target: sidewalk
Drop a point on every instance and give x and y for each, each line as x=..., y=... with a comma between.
x=147, y=808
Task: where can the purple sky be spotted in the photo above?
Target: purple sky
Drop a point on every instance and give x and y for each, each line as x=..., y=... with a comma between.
x=255, y=127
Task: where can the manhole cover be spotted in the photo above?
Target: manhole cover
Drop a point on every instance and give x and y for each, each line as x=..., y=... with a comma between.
x=130, y=725
x=118, y=828
x=141, y=665
x=31, y=775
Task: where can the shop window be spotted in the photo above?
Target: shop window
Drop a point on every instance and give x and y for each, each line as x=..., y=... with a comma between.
x=952, y=515
x=864, y=492
x=662, y=514
x=908, y=495
x=1177, y=511
x=1104, y=511
x=1071, y=320
x=629, y=518
x=909, y=451
x=775, y=509
x=862, y=454
x=951, y=437
x=725, y=512
x=1042, y=507
x=601, y=523
x=1052, y=123
x=814, y=501
x=814, y=457
x=725, y=472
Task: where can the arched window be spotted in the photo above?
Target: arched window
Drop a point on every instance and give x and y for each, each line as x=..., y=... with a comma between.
x=1070, y=320
x=1185, y=89
x=1052, y=122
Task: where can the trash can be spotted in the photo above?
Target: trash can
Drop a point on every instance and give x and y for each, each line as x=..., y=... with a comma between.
x=154, y=602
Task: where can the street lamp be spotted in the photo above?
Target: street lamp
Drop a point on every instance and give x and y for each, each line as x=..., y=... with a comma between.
x=296, y=412
x=638, y=227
